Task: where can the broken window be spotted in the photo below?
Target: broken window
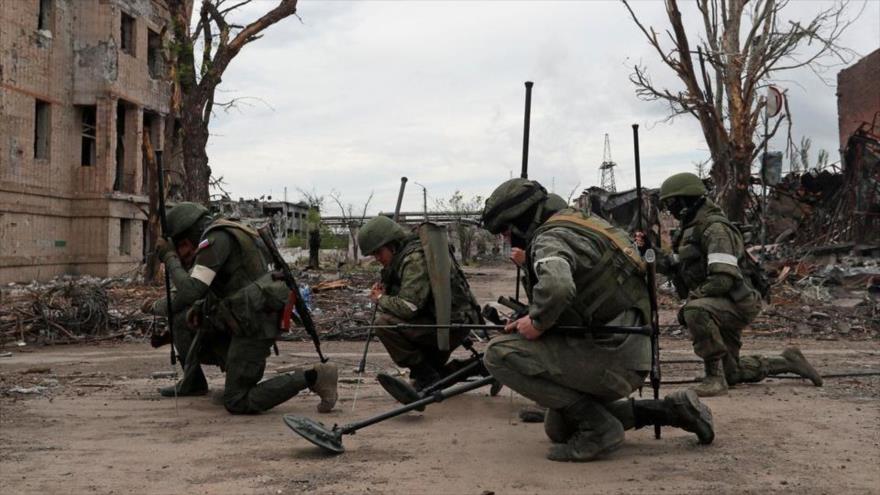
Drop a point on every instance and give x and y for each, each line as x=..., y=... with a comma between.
x=88, y=137
x=151, y=133
x=124, y=236
x=126, y=34
x=120, y=147
x=44, y=20
x=154, y=54
x=42, y=127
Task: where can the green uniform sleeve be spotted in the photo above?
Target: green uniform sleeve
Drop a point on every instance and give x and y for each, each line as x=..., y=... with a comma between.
x=555, y=288
x=192, y=286
x=722, y=248
x=415, y=289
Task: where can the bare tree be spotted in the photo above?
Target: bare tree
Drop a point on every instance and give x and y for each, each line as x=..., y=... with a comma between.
x=352, y=221
x=460, y=209
x=743, y=46
x=195, y=78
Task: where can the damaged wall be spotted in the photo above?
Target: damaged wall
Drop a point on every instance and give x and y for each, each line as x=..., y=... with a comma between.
x=858, y=95
x=73, y=106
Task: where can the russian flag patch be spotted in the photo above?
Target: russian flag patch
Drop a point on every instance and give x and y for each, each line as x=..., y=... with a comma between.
x=205, y=243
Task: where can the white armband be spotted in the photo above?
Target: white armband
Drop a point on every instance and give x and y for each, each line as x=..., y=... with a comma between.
x=203, y=274
x=548, y=259
x=722, y=258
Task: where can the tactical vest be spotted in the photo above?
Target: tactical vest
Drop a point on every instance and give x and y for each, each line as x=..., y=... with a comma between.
x=464, y=307
x=693, y=260
x=246, y=300
x=614, y=284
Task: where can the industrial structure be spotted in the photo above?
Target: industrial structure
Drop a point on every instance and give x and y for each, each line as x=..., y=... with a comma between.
x=607, y=168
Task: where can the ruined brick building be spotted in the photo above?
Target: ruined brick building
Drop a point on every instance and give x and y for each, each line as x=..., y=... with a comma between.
x=79, y=85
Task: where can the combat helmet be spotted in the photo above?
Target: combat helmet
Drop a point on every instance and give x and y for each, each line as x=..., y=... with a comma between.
x=683, y=184
x=378, y=232
x=509, y=201
x=183, y=216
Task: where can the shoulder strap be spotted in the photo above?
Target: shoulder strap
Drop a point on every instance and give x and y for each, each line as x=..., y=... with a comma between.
x=592, y=225
x=247, y=238
x=223, y=223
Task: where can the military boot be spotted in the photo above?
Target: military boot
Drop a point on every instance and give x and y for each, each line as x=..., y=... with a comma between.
x=423, y=375
x=532, y=414
x=714, y=383
x=793, y=361
x=325, y=386
x=558, y=430
x=398, y=388
x=681, y=409
x=596, y=433
x=190, y=386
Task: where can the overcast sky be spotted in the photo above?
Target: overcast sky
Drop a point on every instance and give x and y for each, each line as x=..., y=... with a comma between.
x=359, y=94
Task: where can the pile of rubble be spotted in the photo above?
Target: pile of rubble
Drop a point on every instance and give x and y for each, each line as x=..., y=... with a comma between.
x=73, y=310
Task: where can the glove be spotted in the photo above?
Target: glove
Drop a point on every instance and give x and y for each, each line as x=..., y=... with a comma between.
x=194, y=316
x=164, y=247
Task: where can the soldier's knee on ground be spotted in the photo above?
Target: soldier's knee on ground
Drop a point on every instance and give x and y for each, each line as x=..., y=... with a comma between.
x=236, y=403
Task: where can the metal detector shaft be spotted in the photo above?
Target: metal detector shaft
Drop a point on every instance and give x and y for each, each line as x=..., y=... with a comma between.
x=465, y=370
x=363, y=364
x=641, y=330
x=855, y=374
x=438, y=396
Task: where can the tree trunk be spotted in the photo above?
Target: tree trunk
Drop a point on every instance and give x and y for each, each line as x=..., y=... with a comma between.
x=732, y=177
x=314, y=249
x=151, y=270
x=195, y=155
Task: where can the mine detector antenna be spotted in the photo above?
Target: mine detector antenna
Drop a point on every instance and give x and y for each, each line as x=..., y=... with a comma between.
x=651, y=275
x=295, y=299
x=363, y=364
x=163, y=221
x=330, y=439
x=524, y=171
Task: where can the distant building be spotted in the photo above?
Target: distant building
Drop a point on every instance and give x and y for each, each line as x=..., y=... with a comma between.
x=858, y=96
x=289, y=219
x=80, y=86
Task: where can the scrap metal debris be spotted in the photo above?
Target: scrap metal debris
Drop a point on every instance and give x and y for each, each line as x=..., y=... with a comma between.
x=74, y=309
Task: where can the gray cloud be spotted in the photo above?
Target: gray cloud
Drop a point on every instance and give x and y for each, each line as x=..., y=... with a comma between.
x=365, y=92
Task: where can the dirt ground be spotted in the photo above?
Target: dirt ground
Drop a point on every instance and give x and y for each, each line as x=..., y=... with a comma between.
x=98, y=426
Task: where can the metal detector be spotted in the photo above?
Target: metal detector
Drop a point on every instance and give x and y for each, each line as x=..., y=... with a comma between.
x=405, y=393
x=330, y=439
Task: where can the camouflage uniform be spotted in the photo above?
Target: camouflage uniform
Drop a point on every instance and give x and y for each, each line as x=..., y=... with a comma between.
x=239, y=305
x=582, y=271
x=716, y=310
x=705, y=266
x=407, y=299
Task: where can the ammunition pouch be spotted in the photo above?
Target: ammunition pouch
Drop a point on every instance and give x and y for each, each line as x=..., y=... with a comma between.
x=740, y=291
x=248, y=311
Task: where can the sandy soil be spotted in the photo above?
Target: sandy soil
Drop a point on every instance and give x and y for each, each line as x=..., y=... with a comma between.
x=99, y=427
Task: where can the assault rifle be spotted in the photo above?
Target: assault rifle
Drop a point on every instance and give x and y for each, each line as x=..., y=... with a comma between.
x=298, y=302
